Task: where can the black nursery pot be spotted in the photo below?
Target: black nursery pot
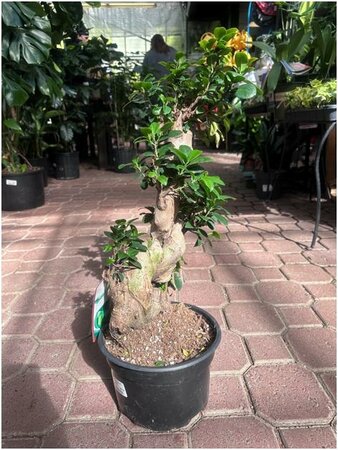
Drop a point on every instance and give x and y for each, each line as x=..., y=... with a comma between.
x=23, y=190
x=43, y=163
x=66, y=165
x=123, y=156
x=164, y=398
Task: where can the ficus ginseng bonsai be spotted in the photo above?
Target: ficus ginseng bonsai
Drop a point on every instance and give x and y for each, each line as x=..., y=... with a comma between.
x=141, y=268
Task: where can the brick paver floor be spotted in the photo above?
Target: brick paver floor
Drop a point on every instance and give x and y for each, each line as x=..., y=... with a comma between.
x=273, y=376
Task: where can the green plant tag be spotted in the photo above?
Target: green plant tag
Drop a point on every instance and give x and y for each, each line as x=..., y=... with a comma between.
x=100, y=310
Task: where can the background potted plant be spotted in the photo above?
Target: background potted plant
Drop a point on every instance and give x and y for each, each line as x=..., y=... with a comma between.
x=125, y=117
x=307, y=35
x=37, y=116
x=313, y=102
x=26, y=68
x=85, y=128
x=31, y=80
x=165, y=389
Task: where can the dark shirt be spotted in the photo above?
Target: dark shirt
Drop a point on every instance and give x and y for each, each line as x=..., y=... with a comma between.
x=152, y=59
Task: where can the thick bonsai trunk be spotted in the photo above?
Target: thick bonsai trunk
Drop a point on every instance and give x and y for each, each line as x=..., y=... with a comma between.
x=136, y=300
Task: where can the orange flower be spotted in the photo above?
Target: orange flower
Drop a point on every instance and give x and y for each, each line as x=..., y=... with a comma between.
x=240, y=41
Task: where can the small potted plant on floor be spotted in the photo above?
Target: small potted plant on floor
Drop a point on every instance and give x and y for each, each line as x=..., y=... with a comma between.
x=30, y=80
x=22, y=184
x=37, y=119
x=26, y=70
x=160, y=351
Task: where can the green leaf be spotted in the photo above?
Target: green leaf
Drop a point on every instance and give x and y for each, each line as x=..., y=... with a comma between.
x=174, y=133
x=156, y=110
x=54, y=113
x=230, y=33
x=193, y=155
x=159, y=363
x=241, y=59
x=163, y=180
x=221, y=219
x=181, y=155
x=273, y=76
x=33, y=46
x=135, y=264
x=140, y=247
x=14, y=93
x=12, y=124
x=282, y=51
x=154, y=128
x=178, y=283
x=215, y=234
x=320, y=43
x=147, y=154
x=246, y=91
x=144, y=184
x=164, y=149
x=198, y=242
x=66, y=133
x=266, y=48
x=11, y=15
x=297, y=42
x=43, y=82
x=147, y=218
x=188, y=226
x=122, y=166
x=219, y=32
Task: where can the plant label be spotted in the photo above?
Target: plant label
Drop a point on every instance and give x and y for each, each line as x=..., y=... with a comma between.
x=119, y=387
x=100, y=310
x=267, y=187
x=11, y=182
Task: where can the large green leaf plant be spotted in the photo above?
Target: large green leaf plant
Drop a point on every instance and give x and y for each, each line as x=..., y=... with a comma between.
x=32, y=83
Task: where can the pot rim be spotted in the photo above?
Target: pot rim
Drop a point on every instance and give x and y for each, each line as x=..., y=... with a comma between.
x=182, y=365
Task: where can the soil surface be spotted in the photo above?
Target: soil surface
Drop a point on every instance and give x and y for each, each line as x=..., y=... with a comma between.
x=29, y=170
x=173, y=336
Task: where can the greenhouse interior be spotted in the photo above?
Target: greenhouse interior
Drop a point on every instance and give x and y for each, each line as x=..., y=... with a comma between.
x=169, y=224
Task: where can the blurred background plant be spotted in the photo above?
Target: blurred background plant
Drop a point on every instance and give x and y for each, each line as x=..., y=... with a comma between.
x=30, y=75
x=307, y=35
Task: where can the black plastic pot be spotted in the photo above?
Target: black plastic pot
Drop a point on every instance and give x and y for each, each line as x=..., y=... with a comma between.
x=66, y=165
x=123, y=156
x=163, y=398
x=43, y=163
x=315, y=115
x=268, y=185
x=23, y=191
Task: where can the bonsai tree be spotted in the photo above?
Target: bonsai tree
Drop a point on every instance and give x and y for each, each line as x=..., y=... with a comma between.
x=142, y=268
